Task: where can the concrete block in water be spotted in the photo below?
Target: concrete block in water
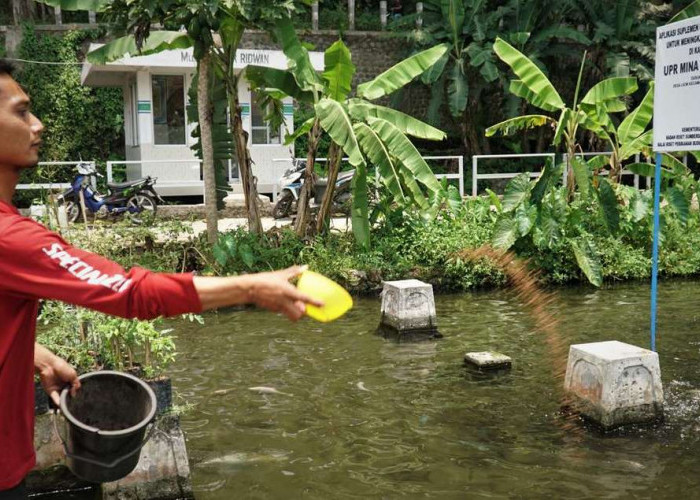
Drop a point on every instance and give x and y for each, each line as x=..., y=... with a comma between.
x=488, y=360
x=408, y=305
x=615, y=383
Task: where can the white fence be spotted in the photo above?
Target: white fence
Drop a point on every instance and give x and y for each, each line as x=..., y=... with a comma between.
x=175, y=177
x=458, y=176
x=476, y=176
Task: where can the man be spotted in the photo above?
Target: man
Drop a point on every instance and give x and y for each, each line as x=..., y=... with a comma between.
x=36, y=263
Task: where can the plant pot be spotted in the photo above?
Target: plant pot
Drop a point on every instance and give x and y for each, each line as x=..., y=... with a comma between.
x=163, y=388
x=41, y=399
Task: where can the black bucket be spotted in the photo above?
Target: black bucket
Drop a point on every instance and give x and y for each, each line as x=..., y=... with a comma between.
x=107, y=420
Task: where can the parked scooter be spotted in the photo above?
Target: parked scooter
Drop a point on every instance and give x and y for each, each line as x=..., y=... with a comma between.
x=129, y=198
x=291, y=183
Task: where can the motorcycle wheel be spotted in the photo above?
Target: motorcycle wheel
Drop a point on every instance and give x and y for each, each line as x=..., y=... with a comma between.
x=283, y=207
x=72, y=210
x=145, y=203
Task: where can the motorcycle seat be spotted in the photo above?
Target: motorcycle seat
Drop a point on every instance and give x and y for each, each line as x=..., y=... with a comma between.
x=345, y=175
x=123, y=185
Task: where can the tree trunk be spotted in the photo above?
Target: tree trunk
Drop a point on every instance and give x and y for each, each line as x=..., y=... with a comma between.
x=248, y=181
x=205, y=126
x=324, y=213
x=301, y=226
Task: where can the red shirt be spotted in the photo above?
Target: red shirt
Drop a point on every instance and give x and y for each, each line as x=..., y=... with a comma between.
x=38, y=264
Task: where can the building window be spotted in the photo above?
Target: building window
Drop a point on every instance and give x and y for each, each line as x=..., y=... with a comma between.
x=169, y=109
x=262, y=133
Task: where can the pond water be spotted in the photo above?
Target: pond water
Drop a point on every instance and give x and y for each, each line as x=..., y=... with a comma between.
x=362, y=416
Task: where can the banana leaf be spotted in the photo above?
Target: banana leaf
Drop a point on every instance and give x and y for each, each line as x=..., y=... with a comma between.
x=639, y=119
x=453, y=14
x=610, y=89
x=402, y=73
x=562, y=123
x=157, y=41
x=636, y=145
x=517, y=87
x=264, y=77
x=528, y=72
x=299, y=63
x=677, y=167
x=512, y=125
x=400, y=147
x=588, y=261
x=337, y=124
x=360, y=110
x=692, y=10
x=377, y=153
x=303, y=129
x=646, y=170
x=339, y=71
x=432, y=74
x=457, y=91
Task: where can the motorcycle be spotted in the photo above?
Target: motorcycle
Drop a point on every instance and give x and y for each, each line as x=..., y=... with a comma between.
x=128, y=198
x=292, y=181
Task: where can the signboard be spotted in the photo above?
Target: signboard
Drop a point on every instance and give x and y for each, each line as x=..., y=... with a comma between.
x=677, y=91
x=144, y=106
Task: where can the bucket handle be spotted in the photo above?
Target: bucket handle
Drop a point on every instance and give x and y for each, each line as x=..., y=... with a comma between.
x=108, y=465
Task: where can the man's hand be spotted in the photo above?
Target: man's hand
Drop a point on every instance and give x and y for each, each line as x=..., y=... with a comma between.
x=270, y=290
x=54, y=373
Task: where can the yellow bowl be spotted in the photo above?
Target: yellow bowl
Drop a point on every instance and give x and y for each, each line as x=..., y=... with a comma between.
x=336, y=300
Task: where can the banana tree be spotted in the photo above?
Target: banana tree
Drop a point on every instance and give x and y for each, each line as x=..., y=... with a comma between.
x=358, y=128
x=533, y=86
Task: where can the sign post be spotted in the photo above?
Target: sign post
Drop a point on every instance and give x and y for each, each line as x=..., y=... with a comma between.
x=676, y=114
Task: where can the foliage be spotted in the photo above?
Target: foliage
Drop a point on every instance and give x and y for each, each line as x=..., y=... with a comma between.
x=80, y=122
x=90, y=340
x=358, y=127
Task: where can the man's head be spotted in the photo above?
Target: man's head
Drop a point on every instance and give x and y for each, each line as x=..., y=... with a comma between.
x=20, y=130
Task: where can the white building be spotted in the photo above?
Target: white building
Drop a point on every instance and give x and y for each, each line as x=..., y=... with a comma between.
x=158, y=134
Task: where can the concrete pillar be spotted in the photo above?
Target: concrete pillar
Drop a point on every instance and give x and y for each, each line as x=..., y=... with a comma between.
x=144, y=107
x=382, y=13
x=615, y=383
x=13, y=39
x=57, y=15
x=408, y=306
x=314, y=16
x=92, y=17
x=351, y=15
x=419, y=15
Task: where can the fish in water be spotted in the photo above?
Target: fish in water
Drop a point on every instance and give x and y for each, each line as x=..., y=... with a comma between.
x=361, y=385
x=267, y=390
x=258, y=389
x=242, y=458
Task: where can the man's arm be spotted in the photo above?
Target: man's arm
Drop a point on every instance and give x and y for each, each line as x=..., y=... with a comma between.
x=54, y=372
x=271, y=290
